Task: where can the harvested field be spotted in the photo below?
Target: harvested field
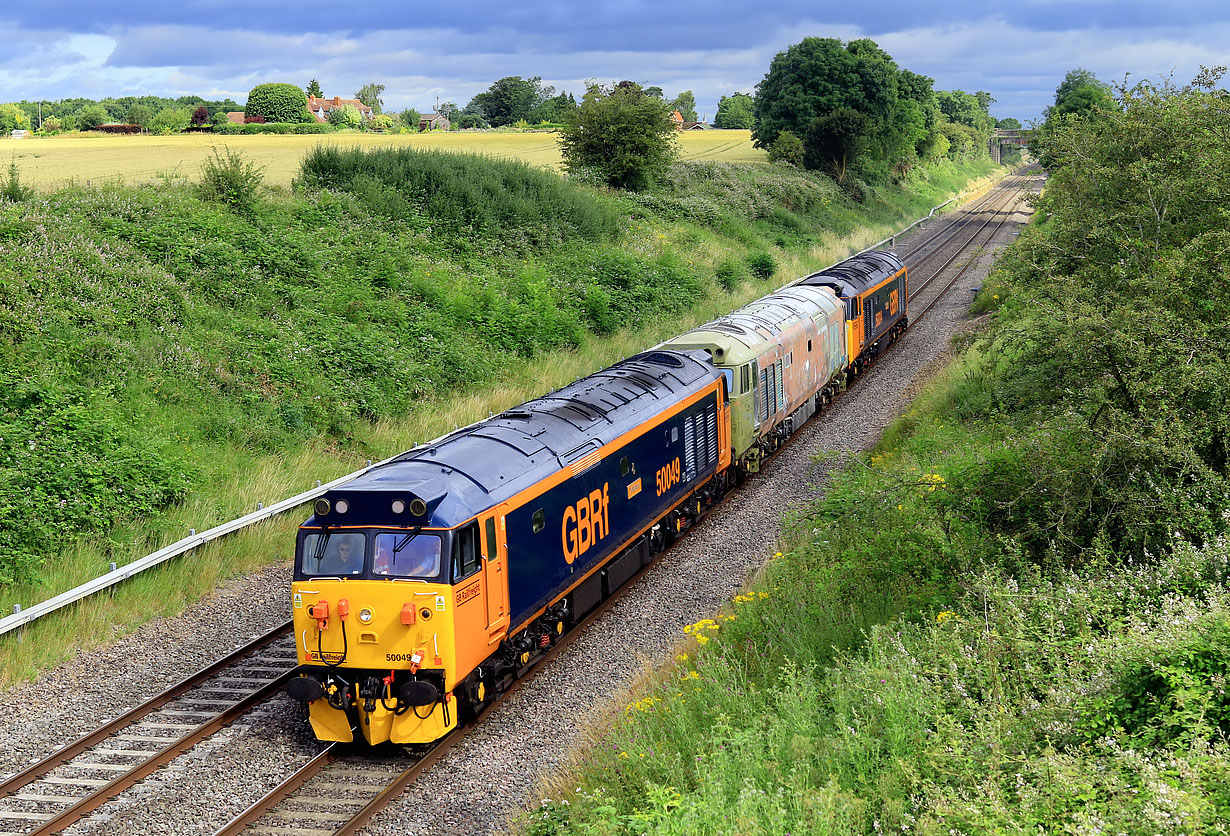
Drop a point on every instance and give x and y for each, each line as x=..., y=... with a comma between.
x=47, y=162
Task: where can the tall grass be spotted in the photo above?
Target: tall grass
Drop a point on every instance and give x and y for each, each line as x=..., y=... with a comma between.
x=463, y=195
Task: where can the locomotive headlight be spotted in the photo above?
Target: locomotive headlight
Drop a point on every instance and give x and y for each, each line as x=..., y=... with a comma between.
x=365, y=615
x=321, y=507
x=342, y=506
x=399, y=506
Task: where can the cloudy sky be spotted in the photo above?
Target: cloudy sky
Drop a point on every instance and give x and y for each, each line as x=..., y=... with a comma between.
x=1018, y=51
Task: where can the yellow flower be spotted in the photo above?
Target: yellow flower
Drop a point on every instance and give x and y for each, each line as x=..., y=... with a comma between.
x=682, y=657
x=946, y=615
x=692, y=675
x=623, y=754
x=702, y=639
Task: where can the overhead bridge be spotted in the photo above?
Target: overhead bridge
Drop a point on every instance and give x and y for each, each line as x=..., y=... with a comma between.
x=1001, y=137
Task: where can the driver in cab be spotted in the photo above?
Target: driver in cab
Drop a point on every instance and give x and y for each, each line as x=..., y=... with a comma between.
x=343, y=559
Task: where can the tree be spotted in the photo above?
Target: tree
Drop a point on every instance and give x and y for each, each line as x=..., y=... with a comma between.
x=13, y=118
x=820, y=76
x=685, y=103
x=1080, y=93
x=369, y=94
x=510, y=100
x=410, y=118
x=787, y=148
x=139, y=114
x=737, y=111
x=654, y=91
x=346, y=116
x=449, y=111
x=621, y=135
x=313, y=89
x=1081, y=97
x=1009, y=124
x=278, y=103
x=834, y=140
x=554, y=109
x=200, y=116
x=170, y=121
x=91, y=116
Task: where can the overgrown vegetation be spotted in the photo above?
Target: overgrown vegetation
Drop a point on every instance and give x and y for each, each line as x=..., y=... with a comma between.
x=1012, y=616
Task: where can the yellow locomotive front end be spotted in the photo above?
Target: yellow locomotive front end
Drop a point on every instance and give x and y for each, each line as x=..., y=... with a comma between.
x=374, y=630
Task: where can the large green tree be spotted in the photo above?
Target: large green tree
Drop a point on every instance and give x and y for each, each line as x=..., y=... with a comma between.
x=818, y=77
x=737, y=110
x=511, y=99
x=1080, y=96
x=369, y=94
x=278, y=103
x=620, y=135
x=685, y=103
x=313, y=89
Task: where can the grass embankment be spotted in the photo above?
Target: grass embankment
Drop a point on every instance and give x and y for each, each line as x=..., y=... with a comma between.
x=53, y=162
x=1012, y=616
x=171, y=362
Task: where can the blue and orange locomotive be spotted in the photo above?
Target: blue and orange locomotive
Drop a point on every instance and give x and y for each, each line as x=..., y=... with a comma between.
x=423, y=588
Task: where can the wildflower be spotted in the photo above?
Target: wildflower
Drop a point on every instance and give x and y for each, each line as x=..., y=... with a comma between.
x=946, y=615
x=682, y=657
x=623, y=754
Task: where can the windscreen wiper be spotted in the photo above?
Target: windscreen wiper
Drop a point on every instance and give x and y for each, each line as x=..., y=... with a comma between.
x=403, y=542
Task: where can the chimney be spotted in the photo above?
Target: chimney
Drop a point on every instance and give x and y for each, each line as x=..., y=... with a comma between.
x=337, y=100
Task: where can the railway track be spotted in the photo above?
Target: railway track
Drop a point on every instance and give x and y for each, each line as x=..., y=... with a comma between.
x=342, y=788
x=986, y=219
x=69, y=784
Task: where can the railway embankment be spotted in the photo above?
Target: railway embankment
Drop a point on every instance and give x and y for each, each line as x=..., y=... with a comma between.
x=1009, y=615
x=172, y=361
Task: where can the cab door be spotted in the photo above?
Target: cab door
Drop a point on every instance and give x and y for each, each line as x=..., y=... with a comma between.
x=495, y=574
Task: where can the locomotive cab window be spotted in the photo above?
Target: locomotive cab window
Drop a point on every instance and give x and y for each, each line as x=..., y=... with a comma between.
x=402, y=554
x=809, y=345
x=540, y=521
x=332, y=554
x=745, y=379
x=492, y=548
x=625, y=467
x=466, y=558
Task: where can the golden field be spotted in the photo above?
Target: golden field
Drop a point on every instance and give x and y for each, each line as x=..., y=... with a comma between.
x=47, y=162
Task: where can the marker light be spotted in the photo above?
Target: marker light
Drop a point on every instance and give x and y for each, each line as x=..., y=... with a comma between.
x=321, y=506
x=418, y=507
x=342, y=506
x=399, y=506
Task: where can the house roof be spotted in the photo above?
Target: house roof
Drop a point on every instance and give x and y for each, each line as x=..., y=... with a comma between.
x=315, y=104
x=235, y=116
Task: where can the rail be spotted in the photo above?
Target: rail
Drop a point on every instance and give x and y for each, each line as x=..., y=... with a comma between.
x=22, y=617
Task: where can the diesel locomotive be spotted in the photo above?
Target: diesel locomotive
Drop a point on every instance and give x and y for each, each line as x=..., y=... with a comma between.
x=425, y=587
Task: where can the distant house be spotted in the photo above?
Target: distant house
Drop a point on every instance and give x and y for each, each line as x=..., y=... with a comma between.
x=320, y=108
x=433, y=122
x=19, y=134
x=235, y=117
x=677, y=118
x=694, y=126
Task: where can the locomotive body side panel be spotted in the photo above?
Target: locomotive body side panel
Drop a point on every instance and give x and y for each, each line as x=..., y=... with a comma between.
x=560, y=535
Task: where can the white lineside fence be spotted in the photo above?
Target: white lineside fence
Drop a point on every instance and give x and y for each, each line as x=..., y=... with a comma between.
x=22, y=617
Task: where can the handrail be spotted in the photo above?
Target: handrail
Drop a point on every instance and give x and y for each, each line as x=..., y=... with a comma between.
x=22, y=617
